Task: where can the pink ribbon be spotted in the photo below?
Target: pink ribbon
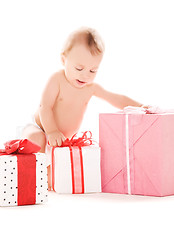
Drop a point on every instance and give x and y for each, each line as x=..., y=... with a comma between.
x=150, y=110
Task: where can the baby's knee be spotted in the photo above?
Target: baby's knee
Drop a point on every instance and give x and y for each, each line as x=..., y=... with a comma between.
x=40, y=139
x=37, y=137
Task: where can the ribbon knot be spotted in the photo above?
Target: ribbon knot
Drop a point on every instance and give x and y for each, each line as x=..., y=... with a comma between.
x=84, y=140
x=150, y=110
x=20, y=146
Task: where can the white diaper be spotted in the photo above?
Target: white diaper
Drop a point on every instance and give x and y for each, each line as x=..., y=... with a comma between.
x=34, y=122
x=19, y=129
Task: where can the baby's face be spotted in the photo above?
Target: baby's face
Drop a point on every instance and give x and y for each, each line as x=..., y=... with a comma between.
x=81, y=66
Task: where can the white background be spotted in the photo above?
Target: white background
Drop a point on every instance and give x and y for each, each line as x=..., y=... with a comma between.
x=138, y=62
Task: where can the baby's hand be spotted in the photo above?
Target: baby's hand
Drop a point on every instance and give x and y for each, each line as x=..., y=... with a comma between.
x=56, y=138
x=146, y=106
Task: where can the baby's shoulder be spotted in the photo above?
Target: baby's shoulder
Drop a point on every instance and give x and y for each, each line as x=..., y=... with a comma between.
x=55, y=79
x=94, y=87
x=90, y=89
x=57, y=76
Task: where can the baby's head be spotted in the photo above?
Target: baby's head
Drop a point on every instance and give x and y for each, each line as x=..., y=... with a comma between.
x=81, y=56
x=87, y=36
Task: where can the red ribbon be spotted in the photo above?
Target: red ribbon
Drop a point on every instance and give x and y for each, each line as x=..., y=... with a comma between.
x=82, y=141
x=20, y=146
x=26, y=162
x=75, y=141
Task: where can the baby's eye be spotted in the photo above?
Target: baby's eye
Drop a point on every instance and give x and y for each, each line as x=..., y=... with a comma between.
x=79, y=69
x=93, y=71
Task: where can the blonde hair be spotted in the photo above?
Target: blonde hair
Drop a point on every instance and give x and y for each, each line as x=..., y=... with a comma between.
x=86, y=35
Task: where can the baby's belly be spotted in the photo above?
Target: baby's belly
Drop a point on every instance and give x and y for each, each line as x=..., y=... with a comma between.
x=68, y=122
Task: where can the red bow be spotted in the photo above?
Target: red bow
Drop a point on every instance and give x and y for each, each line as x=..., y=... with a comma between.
x=22, y=146
x=85, y=140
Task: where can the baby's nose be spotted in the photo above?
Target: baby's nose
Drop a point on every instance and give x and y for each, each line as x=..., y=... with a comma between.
x=85, y=77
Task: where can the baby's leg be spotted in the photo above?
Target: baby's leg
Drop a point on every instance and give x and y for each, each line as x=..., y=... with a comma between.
x=37, y=136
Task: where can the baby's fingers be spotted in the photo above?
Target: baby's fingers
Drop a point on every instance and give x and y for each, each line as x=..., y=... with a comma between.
x=53, y=143
x=63, y=138
x=59, y=142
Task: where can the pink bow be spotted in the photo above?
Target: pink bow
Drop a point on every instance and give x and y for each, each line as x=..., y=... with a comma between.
x=150, y=110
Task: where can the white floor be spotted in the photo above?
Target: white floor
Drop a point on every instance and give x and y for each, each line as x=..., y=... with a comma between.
x=91, y=216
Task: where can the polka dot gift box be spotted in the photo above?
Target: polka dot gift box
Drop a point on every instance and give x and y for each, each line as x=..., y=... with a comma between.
x=23, y=174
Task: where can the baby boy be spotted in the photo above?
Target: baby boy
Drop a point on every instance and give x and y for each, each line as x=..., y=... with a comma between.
x=68, y=91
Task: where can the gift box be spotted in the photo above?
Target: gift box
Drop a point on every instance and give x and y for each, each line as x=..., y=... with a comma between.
x=23, y=174
x=137, y=153
x=75, y=166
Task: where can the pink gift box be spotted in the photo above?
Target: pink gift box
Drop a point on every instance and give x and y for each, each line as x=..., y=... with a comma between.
x=137, y=153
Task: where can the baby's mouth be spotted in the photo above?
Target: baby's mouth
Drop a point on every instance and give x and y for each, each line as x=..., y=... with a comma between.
x=80, y=82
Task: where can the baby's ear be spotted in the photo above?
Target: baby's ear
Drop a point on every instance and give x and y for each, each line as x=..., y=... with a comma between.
x=63, y=58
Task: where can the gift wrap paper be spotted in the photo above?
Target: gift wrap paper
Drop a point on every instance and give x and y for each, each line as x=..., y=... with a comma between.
x=137, y=153
x=9, y=179
x=90, y=170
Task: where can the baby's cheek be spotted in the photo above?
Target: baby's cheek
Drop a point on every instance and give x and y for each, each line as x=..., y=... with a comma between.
x=92, y=79
x=74, y=75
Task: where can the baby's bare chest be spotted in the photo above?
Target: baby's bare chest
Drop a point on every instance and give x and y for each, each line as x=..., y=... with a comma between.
x=75, y=99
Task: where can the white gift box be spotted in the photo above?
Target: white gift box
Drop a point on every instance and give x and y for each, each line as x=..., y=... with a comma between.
x=75, y=172
x=9, y=179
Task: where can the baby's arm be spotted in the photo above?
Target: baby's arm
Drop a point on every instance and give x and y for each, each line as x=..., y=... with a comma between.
x=50, y=93
x=117, y=100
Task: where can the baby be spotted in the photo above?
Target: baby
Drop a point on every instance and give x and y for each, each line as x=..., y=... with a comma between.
x=68, y=91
